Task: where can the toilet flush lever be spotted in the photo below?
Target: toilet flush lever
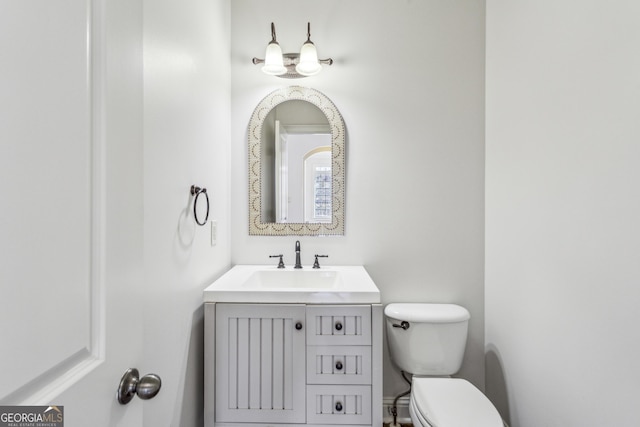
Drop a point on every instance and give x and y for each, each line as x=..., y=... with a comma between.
x=404, y=325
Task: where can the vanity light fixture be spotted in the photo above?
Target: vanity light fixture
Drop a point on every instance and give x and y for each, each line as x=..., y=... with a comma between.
x=291, y=65
x=273, y=60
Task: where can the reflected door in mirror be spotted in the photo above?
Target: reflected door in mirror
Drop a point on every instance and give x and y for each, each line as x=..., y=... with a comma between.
x=302, y=178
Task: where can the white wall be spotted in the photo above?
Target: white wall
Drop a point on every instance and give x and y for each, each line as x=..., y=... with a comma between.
x=408, y=79
x=563, y=202
x=186, y=141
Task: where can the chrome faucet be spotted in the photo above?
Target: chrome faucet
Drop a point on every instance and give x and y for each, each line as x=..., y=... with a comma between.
x=298, y=264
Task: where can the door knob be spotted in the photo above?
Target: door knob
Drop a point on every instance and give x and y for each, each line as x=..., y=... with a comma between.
x=298, y=325
x=131, y=384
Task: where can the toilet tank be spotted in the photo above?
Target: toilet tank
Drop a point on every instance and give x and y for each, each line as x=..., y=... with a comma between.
x=434, y=341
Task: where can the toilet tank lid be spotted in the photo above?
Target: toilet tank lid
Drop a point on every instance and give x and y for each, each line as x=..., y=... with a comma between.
x=426, y=312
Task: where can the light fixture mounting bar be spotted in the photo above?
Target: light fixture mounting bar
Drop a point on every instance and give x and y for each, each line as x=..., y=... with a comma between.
x=292, y=60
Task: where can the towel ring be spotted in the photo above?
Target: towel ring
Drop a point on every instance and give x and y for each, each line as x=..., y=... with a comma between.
x=197, y=191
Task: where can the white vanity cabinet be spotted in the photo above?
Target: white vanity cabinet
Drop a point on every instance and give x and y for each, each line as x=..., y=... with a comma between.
x=293, y=364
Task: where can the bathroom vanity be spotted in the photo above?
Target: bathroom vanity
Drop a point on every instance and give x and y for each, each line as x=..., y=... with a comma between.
x=293, y=347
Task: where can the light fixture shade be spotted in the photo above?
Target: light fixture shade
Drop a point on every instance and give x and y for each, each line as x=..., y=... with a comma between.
x=308, y=64
x=273, y=62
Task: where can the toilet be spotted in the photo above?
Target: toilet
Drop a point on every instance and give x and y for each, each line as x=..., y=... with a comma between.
x=428, y=341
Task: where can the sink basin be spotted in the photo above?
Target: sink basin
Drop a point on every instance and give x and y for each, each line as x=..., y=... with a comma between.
x=304, y=279
x=268, y=284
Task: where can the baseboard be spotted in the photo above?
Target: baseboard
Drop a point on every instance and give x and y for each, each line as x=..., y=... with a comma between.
x=403, y=410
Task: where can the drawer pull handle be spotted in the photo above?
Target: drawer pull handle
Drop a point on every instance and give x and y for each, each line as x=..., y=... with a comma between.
x=298, y=325
x=339, y=365
x=338, y=326
x=338, y=406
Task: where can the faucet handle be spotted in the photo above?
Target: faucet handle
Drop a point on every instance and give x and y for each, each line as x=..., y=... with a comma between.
x=281, y=263
x=316, y=264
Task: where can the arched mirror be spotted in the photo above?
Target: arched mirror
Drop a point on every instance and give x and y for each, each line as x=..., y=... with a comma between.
x=296, y=165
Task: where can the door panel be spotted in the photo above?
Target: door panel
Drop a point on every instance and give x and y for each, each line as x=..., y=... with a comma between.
x=71, y=235
x=46, y=152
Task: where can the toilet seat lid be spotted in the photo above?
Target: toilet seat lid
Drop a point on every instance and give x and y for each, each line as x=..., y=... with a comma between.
x=453, y=402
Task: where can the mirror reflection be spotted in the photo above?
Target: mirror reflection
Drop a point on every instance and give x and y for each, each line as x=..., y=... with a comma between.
x=296, y=165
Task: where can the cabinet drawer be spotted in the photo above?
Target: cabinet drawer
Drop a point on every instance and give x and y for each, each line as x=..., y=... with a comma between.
x=347, y=404
x=339, y=364
x=339, y=325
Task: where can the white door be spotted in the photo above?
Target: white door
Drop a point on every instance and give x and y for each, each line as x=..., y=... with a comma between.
x=282, y=173
x=71, y=220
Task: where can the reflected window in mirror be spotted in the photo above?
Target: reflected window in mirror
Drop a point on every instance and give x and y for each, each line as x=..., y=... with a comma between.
x=317, y=184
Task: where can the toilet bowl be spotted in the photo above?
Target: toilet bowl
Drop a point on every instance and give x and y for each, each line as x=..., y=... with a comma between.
x=450, y=402
x=428, y=341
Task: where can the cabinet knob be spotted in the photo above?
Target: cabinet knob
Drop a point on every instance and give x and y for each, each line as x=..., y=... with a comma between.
x=298, y=325
x=339, y=365
x=338, y=326
x=338, y=406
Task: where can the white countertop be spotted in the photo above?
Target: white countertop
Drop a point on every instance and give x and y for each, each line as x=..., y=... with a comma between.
x=268, y=284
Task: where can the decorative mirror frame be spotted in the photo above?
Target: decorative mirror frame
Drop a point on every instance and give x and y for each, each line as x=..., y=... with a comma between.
x=336, y=123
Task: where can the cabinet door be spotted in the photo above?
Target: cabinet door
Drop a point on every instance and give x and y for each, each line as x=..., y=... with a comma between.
x=260, y=363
